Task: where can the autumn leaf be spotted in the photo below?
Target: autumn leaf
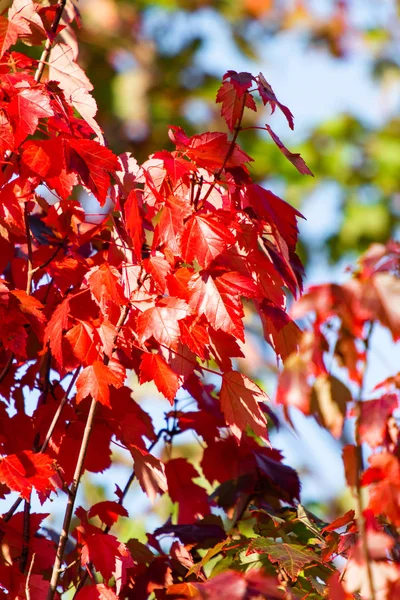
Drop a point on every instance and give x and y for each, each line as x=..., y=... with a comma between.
x=104, y=551
x=223, y=311
x=98, y=591
x=154, y=368
x=55, y=328
x=234, y=97
x=150, y=472
x=94, y=381
x=192, y=498
x=203, y=239
x=374, y=417
x=25, y=110
x=93, y=163
x=290, y=557
x=268, y=97
x=240, y=398
x=162, y=322
x=26, y=470
x=329, y=401
x=295, y=159
x=105, y=287
x=108, y=512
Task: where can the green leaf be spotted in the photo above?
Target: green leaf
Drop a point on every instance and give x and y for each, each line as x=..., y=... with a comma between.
x=290, y=557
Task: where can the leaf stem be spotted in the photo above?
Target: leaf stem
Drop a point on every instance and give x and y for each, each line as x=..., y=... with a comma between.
x=230, y=150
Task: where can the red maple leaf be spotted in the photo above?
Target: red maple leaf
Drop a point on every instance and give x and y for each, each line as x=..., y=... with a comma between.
x=104, y=551
x=192, y=499
x=154, y=368
x=94, y=381
x=221, y=310
x=161, y=322
x=105, y=287
x=27, y=470
x=295, y=159
x=234, y=98
x=93, y=163
x=240, y=398
x=204, y=238
x=25, y=110
x=209, y=150
x=108, y=512
x=268, y=96
x=99, y=591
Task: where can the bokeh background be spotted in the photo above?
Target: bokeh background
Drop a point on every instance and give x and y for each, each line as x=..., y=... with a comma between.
x=336, y=64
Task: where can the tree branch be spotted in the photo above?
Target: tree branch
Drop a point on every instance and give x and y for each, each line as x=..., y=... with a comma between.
x=77, y=477
x=360, y=468
x=50, y=41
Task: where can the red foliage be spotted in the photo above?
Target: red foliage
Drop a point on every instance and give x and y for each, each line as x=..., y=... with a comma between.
x=160, y=287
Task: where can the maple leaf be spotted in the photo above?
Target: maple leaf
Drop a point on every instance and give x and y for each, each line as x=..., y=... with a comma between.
x=99, y=591
x=55, y=328
x=240, y=398
x=222, y=311
x=374, y=417
x=94, y=381
x=295, y=159
x=329, y=400
x=9, y=33
x=384, y=477
x=209, y=150
x=192, y=498
x=104, y=551
x=43, y=157
x=105, y=287
x=204, y=238
x=161, y=322
x=25, y=110
x=234, y=99
x=134, y=223
x=150, y=472
x=26, y=470
x=292, y=558
x=64, y=69
x=268, y=96
x=93, y=163
x=154, y=368
x=82, y=341
x=108, y=512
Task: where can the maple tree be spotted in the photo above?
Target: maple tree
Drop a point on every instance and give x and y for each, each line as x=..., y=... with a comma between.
x=160, y=286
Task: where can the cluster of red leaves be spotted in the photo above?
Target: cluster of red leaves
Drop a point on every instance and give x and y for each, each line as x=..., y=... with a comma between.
x=159, y=286
x=345, y=317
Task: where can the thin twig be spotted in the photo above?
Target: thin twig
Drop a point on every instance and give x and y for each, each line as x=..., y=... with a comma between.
x=360, y=468
x=77, y=477
x=71, y=501
x=29, y=244
x=27, y=590
x=6, y=367
x=230, y=149
x=50, y=41
x=59, y=411
x=26, y=535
